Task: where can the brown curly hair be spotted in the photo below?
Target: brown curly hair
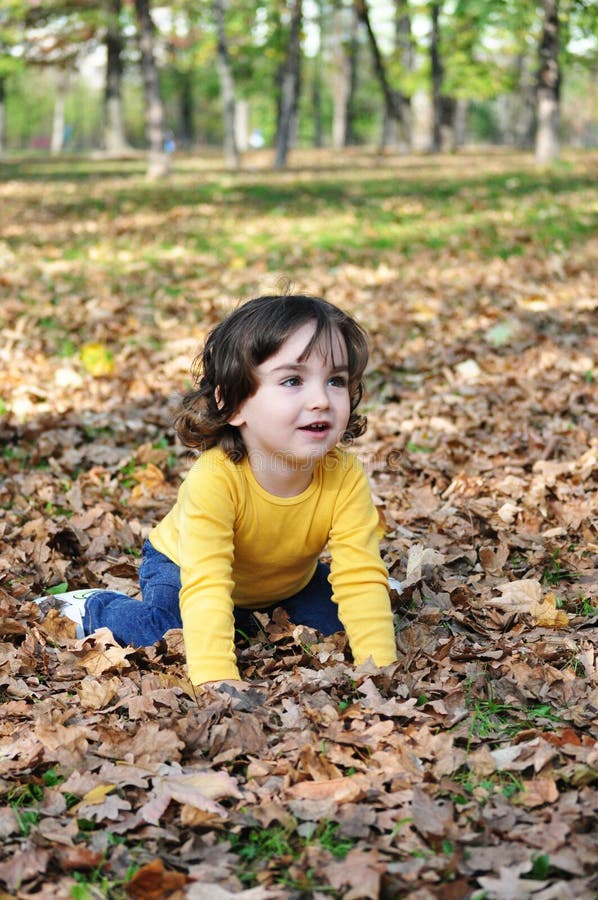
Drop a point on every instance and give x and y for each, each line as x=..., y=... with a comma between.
x=224, y=372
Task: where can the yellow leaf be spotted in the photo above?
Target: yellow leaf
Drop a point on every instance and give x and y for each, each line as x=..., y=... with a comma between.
x=382, y=528
x=95, y=796
x=525, y=596
x=97, y=359
x=547, y=615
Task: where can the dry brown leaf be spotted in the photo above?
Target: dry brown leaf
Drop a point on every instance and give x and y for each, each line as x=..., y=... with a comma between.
x=77, y=859
x=525, y=596
x=481, y=450
x=341, y=790
x=510, y=886
x=358, y=875
x=493, y=559
x=538, y=792
x=431, y=817
x=154, y=882
x=214, y=891
x=22, y=866
x=95, y=694
x=104, y=654
x=420, y=556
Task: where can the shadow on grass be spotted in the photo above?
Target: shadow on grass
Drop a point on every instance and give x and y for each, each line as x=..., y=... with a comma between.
x=400, y=207
x=435, y=179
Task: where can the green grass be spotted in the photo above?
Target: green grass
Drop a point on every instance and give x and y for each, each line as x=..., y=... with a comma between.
x=94, y=884
x=482, y=789
x=307, y=213
x=584, y=606
x=493, y=719
x=24, y=799
x=279, y=846
x=555, y=571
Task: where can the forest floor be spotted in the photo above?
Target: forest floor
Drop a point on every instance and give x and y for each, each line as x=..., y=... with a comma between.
x=467, y=770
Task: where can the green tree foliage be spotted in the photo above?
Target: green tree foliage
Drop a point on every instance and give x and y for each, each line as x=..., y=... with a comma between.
x=12, y=21
x=488, y=53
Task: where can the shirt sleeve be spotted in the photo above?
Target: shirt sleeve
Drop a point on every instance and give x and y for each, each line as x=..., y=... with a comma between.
x=358, y=576
x=205, y=550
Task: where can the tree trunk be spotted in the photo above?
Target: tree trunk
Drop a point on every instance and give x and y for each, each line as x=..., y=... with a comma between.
x=316, y=98
x=289, y=85
x=2, y=113
x=57, y=140
x=344, y=75
x=459, y=123
x=227, y=87
x=115, y=141
x=185, y=95
x=522, y=124
x=158, y=162
x=548, y=88
x=395, y=103
x=242, y=125
x=403, y=35
x=352, y=75
x=404, y=51
x=316, y=92
x=436, y=72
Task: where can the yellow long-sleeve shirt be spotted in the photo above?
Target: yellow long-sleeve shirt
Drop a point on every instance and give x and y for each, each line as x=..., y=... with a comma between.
x=236, y=544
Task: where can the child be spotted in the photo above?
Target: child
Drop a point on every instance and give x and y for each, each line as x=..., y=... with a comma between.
x=277, y=388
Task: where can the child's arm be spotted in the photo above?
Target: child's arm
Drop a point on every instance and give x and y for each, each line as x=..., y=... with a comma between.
x=205, y=552
x=359, y=577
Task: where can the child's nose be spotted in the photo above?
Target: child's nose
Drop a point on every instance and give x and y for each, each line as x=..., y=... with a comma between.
x=318, y=396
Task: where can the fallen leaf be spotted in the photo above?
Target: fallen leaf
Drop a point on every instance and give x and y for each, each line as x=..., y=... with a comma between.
x=420, y=556
x=525, y=596
x=22, y=866
x=154, y=882
x=96, y=795
x=341, y=790
x=97, y=359
x=538, y=792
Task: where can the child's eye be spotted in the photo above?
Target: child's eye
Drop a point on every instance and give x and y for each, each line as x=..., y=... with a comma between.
x=291, y=381
x=338, y=381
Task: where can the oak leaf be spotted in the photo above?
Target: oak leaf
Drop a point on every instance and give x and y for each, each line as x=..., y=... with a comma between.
x=154, y=882
x=23, y=865
x=359, y=872
x=420, y=556
x=341, y=790
x=537, y=792
x=525, y=596
x=104, y=653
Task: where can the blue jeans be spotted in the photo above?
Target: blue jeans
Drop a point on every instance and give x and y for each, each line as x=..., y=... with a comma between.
x=144, y=622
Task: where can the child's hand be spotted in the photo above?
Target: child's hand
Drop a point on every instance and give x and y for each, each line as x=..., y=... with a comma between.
x=226, y=685
x=243, y=696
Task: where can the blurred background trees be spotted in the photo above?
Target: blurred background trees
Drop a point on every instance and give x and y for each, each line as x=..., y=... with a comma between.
x=121, y=76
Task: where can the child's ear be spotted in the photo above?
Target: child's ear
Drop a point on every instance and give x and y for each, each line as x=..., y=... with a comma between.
x=237, y=419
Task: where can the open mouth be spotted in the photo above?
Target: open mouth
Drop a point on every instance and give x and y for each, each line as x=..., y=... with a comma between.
x=316, y=427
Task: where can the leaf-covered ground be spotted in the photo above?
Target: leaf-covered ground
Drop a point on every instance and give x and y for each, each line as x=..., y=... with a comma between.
x=469, y=769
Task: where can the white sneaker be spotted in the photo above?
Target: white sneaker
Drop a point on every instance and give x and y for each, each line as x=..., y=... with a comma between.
x=70, y=604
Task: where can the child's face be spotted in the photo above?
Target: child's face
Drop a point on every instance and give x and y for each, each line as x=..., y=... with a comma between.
x=301, y=407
